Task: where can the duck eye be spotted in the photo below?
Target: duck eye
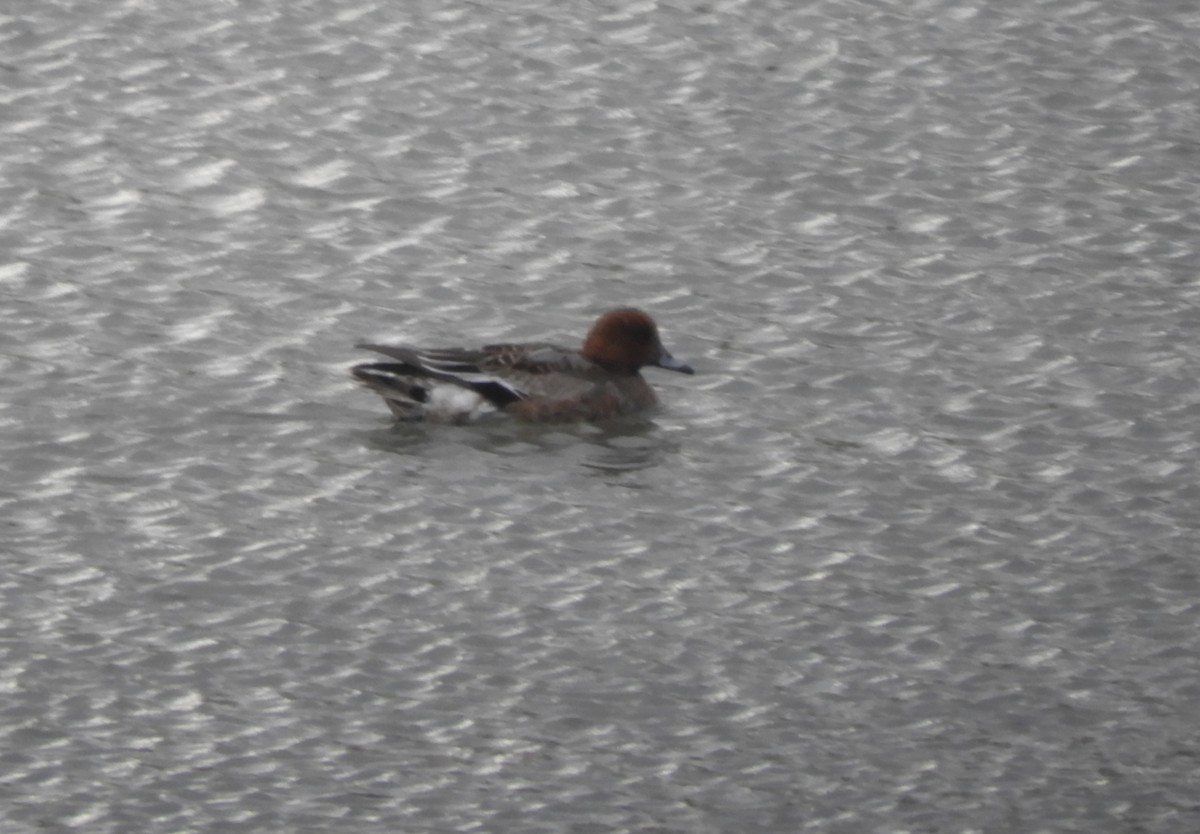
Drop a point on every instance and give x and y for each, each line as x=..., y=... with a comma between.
x=642, y=332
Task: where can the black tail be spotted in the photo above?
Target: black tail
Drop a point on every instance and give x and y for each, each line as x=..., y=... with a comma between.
x=391, y=379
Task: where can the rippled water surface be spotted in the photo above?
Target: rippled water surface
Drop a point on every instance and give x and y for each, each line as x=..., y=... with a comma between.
x=914, y=551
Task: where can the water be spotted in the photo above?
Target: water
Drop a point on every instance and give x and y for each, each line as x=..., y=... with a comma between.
x=914, y=551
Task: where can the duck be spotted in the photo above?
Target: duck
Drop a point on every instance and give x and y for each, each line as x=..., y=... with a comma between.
x=535, y=381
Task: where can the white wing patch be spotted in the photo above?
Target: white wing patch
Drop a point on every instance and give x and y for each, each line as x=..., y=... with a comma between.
x=453, y=402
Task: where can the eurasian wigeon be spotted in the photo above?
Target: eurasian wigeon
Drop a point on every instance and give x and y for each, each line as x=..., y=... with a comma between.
x=536, y=381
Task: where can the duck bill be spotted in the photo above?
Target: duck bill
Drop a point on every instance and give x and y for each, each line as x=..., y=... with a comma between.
x=670, y=363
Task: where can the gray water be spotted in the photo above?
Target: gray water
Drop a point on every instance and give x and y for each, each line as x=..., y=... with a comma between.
x=916, y=550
